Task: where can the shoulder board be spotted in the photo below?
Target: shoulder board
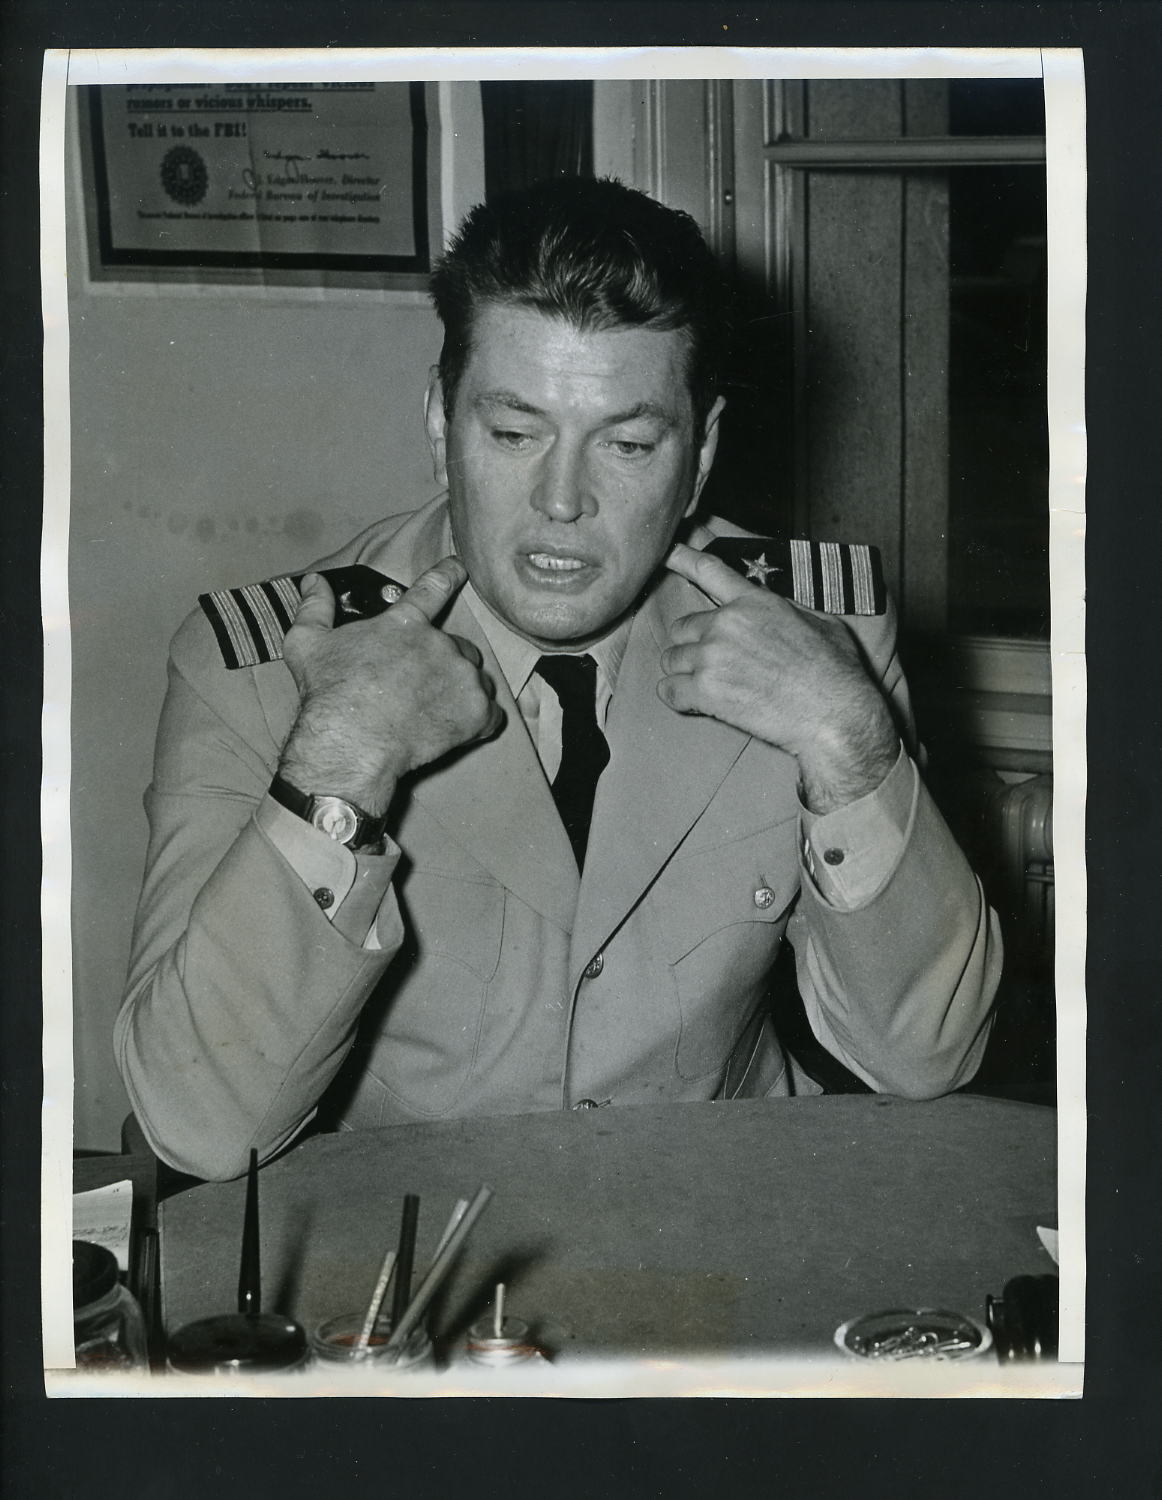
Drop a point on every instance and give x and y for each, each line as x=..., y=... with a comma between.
x=837, y=578
x=251, y=622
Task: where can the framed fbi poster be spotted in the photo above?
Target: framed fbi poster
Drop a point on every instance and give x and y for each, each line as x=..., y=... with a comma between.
x=234, y=181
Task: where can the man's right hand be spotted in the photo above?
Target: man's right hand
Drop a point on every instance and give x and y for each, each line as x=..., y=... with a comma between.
x=384, y=696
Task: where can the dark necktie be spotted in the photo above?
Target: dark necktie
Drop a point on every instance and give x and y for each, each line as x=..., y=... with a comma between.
x=584, y=753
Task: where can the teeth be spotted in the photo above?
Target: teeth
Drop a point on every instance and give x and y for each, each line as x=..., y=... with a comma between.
x=555, y=564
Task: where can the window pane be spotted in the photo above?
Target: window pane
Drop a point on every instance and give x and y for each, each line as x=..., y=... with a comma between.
x=883, y=109
x=854, y=109
x=998, y=566
x=996, y=106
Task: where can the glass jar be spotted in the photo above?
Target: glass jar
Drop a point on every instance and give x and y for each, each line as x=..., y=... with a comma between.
x=1024, y=1321
x=334, y=1342
x=108, y=1328
x=510, y=1347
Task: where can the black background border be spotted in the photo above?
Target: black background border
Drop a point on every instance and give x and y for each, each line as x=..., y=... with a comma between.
x=1108, y=1444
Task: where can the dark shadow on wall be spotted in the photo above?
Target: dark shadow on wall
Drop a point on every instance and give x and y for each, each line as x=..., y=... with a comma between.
x=752, y=482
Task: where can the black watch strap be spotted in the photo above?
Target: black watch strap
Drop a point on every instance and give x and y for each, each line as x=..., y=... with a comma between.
x=329, y=812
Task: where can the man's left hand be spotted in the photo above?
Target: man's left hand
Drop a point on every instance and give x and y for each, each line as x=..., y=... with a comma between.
x=785, y=674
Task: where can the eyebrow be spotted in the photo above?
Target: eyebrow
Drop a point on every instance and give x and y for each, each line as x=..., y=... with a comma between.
x=513, y=402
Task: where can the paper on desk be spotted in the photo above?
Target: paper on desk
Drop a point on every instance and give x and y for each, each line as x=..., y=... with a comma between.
x=102, y=1217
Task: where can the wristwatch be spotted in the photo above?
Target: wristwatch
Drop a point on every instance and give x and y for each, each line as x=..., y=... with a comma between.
x=335, y=816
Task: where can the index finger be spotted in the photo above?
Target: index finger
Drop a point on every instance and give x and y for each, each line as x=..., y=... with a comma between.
x=432, y=591
x=710, y=574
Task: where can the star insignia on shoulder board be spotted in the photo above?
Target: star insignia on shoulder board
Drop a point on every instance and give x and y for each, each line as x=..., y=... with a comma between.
x=758, y=568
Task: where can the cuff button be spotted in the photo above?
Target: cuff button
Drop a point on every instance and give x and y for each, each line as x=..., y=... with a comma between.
x=833, y=856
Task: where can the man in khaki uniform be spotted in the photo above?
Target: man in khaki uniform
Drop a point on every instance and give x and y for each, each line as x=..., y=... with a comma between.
x=530, y=838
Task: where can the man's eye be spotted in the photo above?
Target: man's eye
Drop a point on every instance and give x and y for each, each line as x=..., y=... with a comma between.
x=624, y=448
x=508, y=438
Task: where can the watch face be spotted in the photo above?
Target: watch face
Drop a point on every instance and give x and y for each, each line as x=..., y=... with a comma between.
x=336, y=818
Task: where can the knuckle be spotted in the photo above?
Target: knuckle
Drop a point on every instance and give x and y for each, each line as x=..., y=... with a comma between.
x=711, y=646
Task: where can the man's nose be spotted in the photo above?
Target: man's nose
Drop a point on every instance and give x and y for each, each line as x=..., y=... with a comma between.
x=563, y=491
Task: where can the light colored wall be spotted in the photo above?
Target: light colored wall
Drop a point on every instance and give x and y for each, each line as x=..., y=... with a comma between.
x=218, y=436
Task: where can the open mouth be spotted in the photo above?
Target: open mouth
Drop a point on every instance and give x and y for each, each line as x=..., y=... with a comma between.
x=548, y=563
x=553, y=573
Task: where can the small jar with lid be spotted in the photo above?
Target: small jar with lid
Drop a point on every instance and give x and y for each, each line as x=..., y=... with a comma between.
x=335, y=1342
x=108, y=1328
x=510, y=1345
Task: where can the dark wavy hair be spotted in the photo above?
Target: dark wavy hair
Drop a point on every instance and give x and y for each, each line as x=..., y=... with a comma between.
x=591, y=251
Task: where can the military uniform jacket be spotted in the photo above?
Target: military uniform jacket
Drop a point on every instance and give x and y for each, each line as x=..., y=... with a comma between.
x=507, y=982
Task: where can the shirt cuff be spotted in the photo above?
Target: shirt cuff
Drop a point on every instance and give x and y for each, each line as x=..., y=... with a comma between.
x=851, y=853
x=348, y=888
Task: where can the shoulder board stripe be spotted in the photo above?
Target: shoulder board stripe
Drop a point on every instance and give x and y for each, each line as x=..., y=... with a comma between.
x=271, y=628
x=241, y=628
x=834, y=600
x=284, y=595
x=258, y=636
x=837, y=578
x=802, y=581
x=250, y=623
x=863, y=582
x=218, y=608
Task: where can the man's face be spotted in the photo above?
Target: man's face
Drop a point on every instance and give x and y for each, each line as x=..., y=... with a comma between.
x=570, y=459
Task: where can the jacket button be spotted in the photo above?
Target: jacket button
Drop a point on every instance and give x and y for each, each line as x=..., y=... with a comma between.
x=595, y=966
x=586, y=1104
x=764, y=897
x=324, y=897
x=833, y=856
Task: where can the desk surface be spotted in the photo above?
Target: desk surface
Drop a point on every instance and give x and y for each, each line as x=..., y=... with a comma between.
x=743, y=1227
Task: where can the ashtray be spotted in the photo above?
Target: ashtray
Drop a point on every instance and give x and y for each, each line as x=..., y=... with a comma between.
x=913, y=1333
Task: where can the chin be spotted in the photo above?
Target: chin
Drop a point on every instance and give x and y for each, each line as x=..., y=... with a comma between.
x=560, y=623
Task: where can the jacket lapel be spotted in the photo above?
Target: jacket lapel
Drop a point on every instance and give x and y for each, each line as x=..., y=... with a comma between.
x=493, y=799
x=663, y=770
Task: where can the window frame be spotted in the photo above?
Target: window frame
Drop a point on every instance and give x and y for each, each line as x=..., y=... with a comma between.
x=733, y=154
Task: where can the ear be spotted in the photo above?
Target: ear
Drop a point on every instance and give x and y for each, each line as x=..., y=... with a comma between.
x=706, y=452
x=436, y=423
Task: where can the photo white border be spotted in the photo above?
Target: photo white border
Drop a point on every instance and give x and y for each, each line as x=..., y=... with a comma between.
x=1062, y=71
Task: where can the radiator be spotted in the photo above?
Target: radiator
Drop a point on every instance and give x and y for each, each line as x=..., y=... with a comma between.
x=1022, y=818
